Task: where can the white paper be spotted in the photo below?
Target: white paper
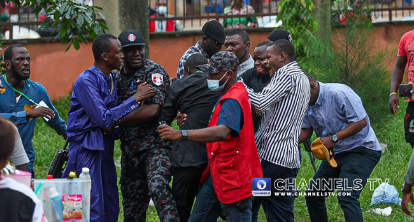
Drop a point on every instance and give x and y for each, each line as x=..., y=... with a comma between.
x=386, y=211
x=43, y=104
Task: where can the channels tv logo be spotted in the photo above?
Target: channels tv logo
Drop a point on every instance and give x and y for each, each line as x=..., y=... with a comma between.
x=261, y=187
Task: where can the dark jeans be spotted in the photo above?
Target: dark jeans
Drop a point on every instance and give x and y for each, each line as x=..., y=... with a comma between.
x=257, y=202
x=209, y=208
x=353, y=165
x=276, y=208
x=186, y=183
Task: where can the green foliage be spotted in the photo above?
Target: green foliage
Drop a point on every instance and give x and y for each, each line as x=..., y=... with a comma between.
x=299, y=20
x=355, y=61
x=73, y=20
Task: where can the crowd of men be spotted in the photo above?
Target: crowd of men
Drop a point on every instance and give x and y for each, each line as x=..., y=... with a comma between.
x=240, y=116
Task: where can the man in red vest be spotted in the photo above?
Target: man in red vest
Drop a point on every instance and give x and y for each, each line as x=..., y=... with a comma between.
x=231, y=147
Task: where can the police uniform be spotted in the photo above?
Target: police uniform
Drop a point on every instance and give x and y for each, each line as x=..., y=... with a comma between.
x=146, y=158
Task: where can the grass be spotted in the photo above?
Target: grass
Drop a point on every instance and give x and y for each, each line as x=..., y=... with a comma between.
x=392, y=166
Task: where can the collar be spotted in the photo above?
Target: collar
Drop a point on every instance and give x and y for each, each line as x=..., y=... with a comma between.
x=321, y=94
x=246, y=63
x=289, y=65
x=198, y=46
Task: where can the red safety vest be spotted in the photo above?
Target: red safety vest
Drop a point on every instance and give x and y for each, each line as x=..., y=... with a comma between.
x=169, y=28
x=234, y=162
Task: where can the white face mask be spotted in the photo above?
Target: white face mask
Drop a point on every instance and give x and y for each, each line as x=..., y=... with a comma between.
x=214, y=84
x=162, y=10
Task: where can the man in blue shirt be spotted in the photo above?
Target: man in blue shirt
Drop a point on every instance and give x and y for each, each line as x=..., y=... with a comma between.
x=91, y=125
x=337, y=116
x=20, y=101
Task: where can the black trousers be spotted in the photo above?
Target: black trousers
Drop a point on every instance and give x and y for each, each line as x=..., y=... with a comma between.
x=185, y=186
x=356, y=164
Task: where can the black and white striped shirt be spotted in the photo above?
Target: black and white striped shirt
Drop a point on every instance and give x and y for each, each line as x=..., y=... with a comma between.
x=283, y=103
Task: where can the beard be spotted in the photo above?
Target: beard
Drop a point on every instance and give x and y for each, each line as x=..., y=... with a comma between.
x=17, y=75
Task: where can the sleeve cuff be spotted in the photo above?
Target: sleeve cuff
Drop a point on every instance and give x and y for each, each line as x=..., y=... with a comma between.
x=21, y=117
x=129, y=105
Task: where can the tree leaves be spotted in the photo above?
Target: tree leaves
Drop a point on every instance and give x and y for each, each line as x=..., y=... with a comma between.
x=74, y=20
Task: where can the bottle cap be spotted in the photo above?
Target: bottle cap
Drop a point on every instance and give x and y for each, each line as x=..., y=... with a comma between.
x=49, y=177
x=85, y=170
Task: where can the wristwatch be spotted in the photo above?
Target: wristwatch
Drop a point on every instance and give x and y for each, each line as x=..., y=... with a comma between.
x=334, y=138
x=184, y=134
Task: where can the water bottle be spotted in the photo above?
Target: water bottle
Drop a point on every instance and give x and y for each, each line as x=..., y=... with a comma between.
x=85, y=174
x=86, y=193
x=56, y=199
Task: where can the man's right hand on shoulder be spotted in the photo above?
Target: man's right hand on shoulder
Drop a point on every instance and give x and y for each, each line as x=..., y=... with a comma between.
x=144, y=92
x=40, y=112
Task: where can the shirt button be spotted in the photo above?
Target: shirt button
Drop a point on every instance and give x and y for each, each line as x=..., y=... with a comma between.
x=212, y=153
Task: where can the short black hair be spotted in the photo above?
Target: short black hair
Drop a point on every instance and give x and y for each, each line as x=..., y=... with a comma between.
x=8, y=53
x=285, y=46
x=101, y=44
x=7, y=138
x=195, y=60
x=241, y=32
x=265, y=43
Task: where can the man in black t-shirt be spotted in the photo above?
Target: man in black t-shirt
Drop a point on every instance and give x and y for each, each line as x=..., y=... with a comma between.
x=189, y=95
x=258, y=77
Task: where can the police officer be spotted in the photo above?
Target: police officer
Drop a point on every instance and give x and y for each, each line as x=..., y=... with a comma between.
x=146, y=159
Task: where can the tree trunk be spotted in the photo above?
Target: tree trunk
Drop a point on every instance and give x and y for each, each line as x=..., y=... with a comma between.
x=135, y=15
x=323, y=17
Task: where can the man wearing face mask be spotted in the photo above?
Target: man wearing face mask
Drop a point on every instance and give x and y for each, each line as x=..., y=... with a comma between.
x=231, y=148
x=212, y=41
x=163, y=25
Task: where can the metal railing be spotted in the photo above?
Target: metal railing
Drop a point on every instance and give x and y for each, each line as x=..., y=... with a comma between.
x=22, y=23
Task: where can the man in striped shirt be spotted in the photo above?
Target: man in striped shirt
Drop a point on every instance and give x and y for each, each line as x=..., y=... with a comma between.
x=283, y=103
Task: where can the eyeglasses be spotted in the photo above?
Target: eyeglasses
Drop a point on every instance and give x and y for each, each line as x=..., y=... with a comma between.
x=218, y=44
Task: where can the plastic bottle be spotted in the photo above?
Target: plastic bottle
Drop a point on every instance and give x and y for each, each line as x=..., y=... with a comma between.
x=56, y=202
x=85, y=174
x=86, y=193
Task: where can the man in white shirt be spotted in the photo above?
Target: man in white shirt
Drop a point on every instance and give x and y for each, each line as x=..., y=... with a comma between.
x=283, y=103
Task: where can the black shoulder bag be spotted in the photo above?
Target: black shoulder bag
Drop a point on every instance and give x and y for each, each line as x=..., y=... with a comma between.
x=58, y=164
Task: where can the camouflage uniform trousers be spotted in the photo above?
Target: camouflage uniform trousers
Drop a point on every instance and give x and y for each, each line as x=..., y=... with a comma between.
x=150, y=179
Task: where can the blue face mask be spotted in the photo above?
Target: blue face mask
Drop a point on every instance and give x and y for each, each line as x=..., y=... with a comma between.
x=214, y=84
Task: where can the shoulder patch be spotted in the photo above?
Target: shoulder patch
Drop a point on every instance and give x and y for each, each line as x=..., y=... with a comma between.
x=157, y=79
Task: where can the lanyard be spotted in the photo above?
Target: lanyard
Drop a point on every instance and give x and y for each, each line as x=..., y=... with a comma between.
x=5, y=78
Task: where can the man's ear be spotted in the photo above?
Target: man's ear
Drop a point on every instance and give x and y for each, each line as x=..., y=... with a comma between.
x=104, y=56
x=247, y=45
x=8, y=64
x=283, y=56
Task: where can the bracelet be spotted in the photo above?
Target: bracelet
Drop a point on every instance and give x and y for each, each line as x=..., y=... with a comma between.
x=393, y=93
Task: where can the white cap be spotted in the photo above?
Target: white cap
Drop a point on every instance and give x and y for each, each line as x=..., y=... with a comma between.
x=85, y=170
